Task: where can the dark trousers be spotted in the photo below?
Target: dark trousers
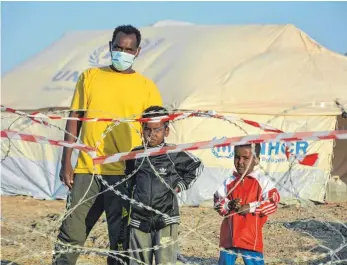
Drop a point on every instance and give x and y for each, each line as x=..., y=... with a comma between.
x=77, y=226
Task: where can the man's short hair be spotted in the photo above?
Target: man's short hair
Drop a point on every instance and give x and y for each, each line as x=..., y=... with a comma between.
x=257, y=148
x=128, y=29
x=155, y=111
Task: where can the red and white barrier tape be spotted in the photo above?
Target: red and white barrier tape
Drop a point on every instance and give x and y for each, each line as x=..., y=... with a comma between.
x=31, y=116
x=308, y=160
x=91, y=119
x=14, y=135
x=249, y=139
x=164, y=118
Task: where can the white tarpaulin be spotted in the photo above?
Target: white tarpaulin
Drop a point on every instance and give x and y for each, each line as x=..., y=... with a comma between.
x=272, y=74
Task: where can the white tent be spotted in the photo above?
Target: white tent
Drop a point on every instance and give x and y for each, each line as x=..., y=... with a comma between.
x=272, y=74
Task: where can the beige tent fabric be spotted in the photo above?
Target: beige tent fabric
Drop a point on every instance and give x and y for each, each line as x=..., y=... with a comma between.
x=272, y=74
x=337, y=185
x=293, y=179
x=34, y=167
x=245, y=69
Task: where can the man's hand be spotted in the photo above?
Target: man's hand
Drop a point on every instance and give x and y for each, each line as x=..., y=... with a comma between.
x=66, y=174
x=234, y=204
x=72, y=128
x=244, y=209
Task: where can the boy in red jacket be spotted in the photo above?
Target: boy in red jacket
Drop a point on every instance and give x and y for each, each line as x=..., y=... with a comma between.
x=245, y=202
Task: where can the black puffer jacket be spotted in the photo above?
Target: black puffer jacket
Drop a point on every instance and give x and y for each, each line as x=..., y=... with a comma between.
x=178, y=170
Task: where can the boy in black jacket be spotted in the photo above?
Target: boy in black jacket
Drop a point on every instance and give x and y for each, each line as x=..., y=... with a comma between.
x=156, y=183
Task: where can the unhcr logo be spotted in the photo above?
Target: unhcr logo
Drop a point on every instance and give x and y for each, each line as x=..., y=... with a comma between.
x=98, y=58
x=272, y=152
x=223, y=151
x=102, y=57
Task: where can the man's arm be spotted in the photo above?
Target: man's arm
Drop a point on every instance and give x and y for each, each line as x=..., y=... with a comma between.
x=72, y=131
x=73, y=128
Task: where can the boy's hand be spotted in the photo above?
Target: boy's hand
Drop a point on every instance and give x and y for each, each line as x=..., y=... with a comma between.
x=234, y=204
x=244, y=209
x=218, y=207
x=231, y=205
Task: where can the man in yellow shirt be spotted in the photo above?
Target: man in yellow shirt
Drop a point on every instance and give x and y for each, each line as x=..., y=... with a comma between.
x=116, y=91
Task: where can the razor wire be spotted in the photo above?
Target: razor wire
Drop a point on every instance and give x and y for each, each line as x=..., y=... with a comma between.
x=209, y=114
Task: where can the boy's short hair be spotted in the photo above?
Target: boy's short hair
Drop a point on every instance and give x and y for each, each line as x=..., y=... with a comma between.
x=155, y=111
x=257, y=148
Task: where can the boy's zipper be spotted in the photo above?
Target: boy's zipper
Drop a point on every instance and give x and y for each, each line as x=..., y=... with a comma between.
x=150, y=198
x=173, y=194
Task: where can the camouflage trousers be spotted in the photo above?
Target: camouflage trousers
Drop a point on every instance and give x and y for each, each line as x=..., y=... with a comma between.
x=77, y=226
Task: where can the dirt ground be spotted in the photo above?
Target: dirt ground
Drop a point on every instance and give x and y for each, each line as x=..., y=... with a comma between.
x=293, y=235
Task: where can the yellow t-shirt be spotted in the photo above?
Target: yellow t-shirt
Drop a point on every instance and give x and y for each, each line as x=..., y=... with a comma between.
x=105, y=93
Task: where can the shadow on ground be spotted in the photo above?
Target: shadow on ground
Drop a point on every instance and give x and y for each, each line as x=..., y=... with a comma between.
x=8, y=262
x=202, y=261
x=331, y=237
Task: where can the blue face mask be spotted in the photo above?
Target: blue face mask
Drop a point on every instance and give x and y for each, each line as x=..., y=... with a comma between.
x=122, y=60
